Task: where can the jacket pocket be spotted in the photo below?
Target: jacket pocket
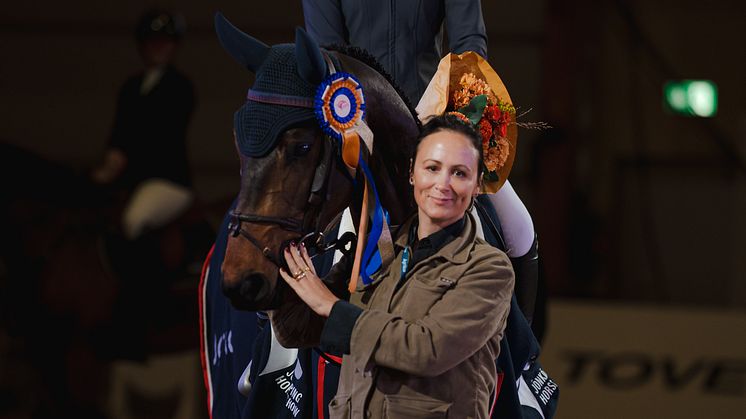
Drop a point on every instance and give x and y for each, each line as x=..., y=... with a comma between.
x=401, y=407
x=340, y=407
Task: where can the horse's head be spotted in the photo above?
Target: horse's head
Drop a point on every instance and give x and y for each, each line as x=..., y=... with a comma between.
x=276, y=205
x=293, y=181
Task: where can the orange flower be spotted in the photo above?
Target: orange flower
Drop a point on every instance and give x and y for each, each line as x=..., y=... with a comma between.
x=490, y=159
x=502, y=152
x=485, y=129
x=469, y=87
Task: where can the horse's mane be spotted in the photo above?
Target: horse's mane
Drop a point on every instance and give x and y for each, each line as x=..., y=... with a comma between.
x=364, y=56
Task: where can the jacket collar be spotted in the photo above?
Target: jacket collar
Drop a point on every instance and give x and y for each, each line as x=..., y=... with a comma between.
x=456, y=251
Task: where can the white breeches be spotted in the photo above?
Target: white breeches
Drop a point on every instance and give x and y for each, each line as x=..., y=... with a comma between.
x=516, y=223
x=153, y=204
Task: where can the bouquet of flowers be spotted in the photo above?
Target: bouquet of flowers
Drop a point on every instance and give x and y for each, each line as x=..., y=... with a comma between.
x=473, y=101
x=466, y=86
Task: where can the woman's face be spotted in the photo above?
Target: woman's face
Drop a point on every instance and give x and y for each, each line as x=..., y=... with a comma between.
x=444, y=176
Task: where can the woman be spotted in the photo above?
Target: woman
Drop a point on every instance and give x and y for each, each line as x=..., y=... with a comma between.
x=421, y=340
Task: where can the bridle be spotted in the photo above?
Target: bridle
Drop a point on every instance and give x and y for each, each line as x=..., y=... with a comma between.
x=309, y=228
x=312, y=235
x=238, y=218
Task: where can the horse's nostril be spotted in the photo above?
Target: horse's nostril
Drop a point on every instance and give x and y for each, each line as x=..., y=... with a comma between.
x=254, y=291
x=254, y=287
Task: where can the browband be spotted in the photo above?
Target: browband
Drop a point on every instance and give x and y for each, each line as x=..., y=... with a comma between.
x=278, y=99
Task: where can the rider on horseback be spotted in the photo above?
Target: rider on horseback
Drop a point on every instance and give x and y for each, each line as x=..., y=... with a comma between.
x=147, y=155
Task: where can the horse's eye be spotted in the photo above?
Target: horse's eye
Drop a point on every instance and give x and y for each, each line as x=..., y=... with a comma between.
x=301, y=149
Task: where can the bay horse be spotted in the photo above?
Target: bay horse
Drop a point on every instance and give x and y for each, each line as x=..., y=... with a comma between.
x=300, y=185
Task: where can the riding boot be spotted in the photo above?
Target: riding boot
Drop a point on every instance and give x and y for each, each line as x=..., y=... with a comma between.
x=526, y=269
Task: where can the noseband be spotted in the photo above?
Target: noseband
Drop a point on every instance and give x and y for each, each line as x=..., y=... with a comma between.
x=285, y=223
x=308, y=228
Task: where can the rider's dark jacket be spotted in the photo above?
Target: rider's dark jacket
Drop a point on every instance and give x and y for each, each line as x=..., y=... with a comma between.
x=151, y=128
x=406, y=38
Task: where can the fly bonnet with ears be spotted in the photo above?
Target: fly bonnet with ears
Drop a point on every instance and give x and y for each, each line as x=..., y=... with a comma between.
x=286, y=74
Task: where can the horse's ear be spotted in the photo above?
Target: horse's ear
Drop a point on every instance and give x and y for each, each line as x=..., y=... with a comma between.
x=248, y=51
x=311, y=64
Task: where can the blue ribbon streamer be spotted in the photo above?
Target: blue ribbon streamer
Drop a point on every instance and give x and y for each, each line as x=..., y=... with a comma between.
x=371, y=257
x=375, y=261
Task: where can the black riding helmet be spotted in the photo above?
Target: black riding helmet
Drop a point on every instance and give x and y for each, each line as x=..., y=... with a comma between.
x=157, y=22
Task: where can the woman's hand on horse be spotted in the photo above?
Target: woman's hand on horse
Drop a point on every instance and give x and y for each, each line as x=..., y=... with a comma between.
x=303, y=280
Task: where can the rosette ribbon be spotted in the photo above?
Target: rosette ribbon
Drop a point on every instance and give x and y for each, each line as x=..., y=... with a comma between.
x=340, y=108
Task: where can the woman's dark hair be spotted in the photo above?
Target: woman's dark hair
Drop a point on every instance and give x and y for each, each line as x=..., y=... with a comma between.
x=447, y=122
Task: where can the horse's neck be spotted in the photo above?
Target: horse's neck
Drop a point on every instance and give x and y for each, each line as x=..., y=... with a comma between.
x=395, y=130
x=390, y=160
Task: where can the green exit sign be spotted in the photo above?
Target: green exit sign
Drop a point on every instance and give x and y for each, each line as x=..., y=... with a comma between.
x=691, y=97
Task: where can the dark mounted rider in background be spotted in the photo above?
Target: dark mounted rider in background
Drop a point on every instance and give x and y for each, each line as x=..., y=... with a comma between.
x=147, y=152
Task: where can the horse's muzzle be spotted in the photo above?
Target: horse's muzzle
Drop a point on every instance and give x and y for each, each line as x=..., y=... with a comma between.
x=253, y=292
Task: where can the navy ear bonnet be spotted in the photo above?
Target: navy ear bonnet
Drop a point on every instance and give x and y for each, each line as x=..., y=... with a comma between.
x=287, y=76
x=258, y=125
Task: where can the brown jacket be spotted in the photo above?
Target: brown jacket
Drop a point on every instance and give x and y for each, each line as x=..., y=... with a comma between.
x=428, y=350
